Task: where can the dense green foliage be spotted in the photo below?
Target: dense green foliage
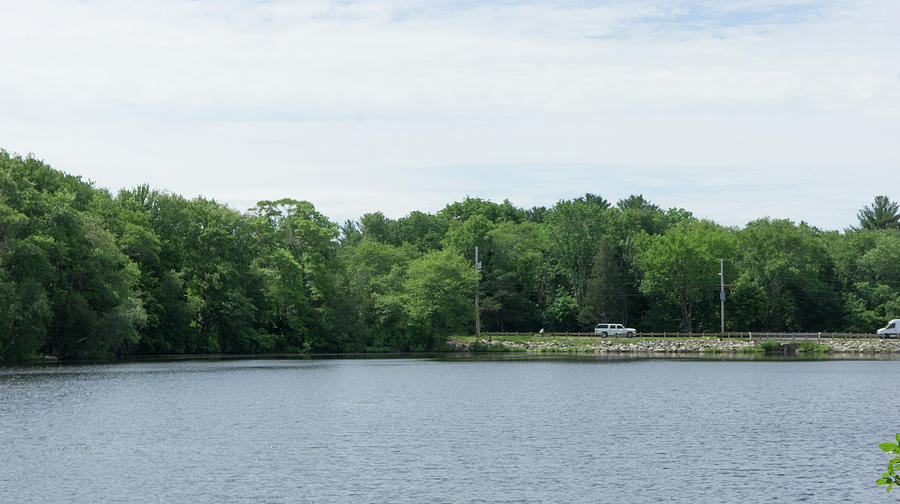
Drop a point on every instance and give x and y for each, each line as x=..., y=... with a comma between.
x=86, y=273
x=890, y=477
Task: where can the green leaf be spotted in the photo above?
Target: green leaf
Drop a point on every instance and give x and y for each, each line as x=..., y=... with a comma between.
x=898, y=438
x=888, y=447
x=882, y=481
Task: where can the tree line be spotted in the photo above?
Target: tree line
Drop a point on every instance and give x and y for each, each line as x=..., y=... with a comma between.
x=88, y=273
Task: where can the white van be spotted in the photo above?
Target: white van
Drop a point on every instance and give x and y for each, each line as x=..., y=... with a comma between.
x=613, y=330
x=891, y=329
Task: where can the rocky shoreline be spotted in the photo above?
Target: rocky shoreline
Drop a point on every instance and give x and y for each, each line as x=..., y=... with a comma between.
x=672, y=346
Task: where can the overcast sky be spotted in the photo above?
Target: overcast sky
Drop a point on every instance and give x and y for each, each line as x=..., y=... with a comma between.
x=734, y=110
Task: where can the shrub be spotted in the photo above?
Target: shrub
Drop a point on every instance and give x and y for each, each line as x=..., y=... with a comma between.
x=769, y=346
x=813, y=347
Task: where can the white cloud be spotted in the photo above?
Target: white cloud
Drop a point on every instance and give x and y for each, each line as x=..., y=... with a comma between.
x=348, y=104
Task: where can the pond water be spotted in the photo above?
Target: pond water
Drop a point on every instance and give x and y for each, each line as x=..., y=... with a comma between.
x=447, y=430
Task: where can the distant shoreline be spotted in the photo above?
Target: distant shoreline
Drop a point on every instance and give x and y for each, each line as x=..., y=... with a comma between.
x=677, y=346
x=656, y=347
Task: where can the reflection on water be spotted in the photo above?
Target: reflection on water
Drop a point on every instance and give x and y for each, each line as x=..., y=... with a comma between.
x=453, y=428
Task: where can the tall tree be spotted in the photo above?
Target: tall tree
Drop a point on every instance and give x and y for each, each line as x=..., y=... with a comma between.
x=422, y=230
x=494, y=212
x=608, y=287
x=575, y=228
x=25, y=274
x=371, y=280
x=636, y=202
x=69, y=289
x=882, y=214
x=681, y=266
x=438, y=290
x=790, y=266
x=515, y=277
x=219, y=253
x=377, y=227
x=868, y=261
x=300, y=251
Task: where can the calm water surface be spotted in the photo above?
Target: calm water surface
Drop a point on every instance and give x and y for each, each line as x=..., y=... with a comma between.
x=422, y=430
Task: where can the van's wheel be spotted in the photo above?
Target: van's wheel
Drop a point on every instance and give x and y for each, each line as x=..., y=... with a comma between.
x=603, y=335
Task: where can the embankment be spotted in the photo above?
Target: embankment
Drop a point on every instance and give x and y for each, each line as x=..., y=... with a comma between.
x=671, y=346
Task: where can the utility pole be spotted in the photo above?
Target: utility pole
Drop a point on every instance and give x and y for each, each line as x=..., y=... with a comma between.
x=721, y=293
x=477, y=288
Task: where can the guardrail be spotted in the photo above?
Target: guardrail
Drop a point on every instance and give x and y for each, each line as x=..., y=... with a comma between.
x=762, y=335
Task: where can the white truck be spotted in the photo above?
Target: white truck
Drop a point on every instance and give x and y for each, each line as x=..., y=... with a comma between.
x=613, y=330
x=892, y=329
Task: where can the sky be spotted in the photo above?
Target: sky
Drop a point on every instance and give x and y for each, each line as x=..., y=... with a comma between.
x=733, y=110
